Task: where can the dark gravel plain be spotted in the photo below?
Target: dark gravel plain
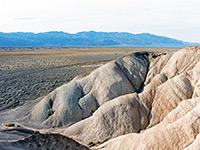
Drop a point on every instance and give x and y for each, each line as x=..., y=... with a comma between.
x=19, y=85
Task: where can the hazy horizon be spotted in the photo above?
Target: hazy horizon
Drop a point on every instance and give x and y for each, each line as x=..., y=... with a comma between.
x=101, y=31
x=172, y=18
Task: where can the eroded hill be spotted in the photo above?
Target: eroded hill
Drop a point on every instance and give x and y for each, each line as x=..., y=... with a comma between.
x=139, y=101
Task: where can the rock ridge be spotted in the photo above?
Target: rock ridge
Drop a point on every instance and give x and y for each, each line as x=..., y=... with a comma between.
x=139, y=101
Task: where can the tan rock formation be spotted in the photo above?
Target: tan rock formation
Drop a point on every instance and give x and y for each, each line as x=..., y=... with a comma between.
x=140, y=101
x=134, y=112
x=122, y=115
x=81, y=97
x=195, y=145
x=171, y=93
x=178, y=130
x=170, y=127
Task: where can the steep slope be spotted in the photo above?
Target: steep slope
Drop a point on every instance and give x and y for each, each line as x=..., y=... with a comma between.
x=183, y=71
x=134, y=112
x=82, y=96
x=174, y=123
x=139, y=101
x=122, y=115
x=178, y=130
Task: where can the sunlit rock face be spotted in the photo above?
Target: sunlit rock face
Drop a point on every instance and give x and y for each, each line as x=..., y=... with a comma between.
x=139, y=101
x=81, y=97
x=161, y=94
x=173, y=108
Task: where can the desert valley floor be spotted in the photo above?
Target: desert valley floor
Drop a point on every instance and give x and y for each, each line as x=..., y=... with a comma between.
x=100, y=98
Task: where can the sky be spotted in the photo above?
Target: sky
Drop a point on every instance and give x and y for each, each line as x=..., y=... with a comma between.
x=178, y=19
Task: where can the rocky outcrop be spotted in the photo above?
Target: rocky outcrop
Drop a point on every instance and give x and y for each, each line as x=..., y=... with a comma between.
x=183, y=73
x=43, y=141
x=82, y=96
x=178, y=130
x=122, y=115
x=134, y=112
x=140, y=101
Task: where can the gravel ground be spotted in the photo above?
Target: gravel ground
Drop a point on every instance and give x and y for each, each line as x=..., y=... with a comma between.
x=19, y=85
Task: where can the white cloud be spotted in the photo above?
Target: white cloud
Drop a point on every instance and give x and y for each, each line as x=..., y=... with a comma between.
x=175, y=18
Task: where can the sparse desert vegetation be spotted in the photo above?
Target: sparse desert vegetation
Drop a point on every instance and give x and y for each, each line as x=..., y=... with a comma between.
x=15, y=58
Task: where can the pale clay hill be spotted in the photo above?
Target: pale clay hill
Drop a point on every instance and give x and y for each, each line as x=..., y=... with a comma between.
x=139, y=101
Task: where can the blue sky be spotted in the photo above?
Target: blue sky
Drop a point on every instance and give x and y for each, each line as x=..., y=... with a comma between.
x=179, y=19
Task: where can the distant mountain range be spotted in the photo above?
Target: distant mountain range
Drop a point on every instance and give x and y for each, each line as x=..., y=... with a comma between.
x=88, y=39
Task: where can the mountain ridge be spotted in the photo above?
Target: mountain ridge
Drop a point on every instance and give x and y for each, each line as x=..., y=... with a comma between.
x=89, y=39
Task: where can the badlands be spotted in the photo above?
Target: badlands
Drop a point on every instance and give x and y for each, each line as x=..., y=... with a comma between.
x=140, y=101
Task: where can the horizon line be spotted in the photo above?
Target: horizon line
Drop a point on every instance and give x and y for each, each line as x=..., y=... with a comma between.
x=98, y=32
